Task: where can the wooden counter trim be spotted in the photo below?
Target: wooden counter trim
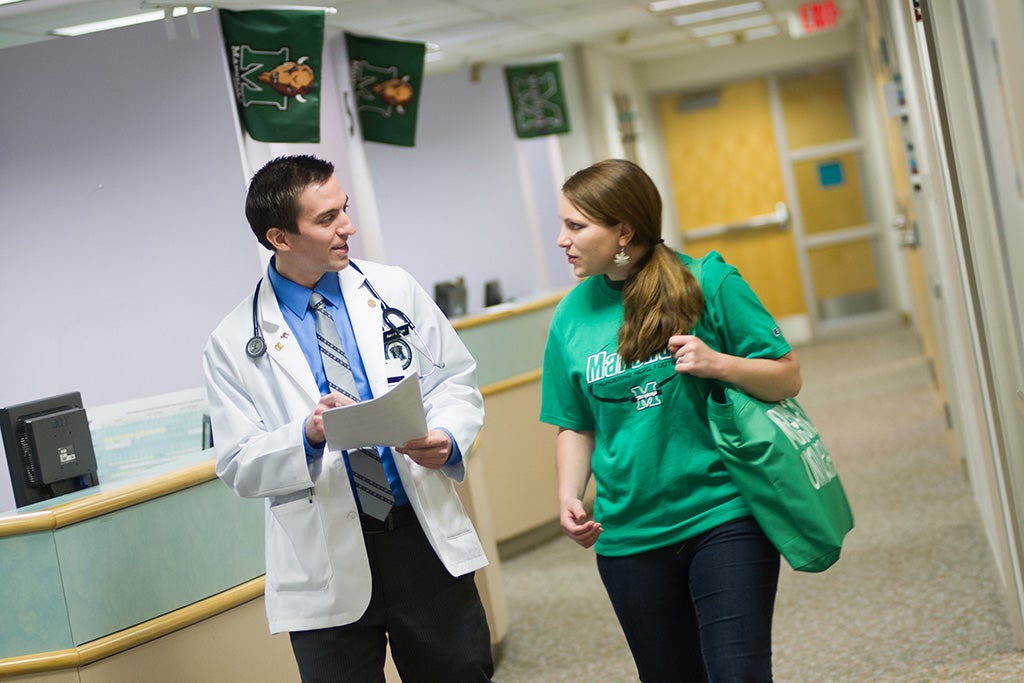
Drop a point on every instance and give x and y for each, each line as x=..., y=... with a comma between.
x=28, y=523
x=140, y=634
x=39, y=663
x=511, y=383
x=483, y=318
x=99, y=504
x=116, y=643
x=105, y=503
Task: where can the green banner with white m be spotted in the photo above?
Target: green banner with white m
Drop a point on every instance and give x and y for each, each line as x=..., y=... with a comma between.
x=387, y=77
x=274, y=57
x=538, y=99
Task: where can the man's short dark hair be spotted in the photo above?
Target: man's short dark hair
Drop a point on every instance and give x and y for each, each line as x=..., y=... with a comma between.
x=273, y=198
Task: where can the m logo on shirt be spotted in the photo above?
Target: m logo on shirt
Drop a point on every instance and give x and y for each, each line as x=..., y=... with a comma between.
x=646, y=396
x=605, y=366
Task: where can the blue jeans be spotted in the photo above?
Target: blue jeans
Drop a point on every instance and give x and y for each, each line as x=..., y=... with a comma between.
x=700, y=610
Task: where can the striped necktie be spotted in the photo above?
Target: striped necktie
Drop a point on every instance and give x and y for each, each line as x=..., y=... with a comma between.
x=375, y=497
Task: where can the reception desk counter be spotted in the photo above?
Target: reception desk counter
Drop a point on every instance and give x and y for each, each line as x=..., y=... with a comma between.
x=516, y=451
x=93, y=574
x=161, y=578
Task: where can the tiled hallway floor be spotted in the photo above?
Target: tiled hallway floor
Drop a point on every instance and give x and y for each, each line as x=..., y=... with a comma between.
x=915, y=597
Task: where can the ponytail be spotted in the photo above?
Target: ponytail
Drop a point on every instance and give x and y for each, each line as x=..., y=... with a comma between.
x=662, y=299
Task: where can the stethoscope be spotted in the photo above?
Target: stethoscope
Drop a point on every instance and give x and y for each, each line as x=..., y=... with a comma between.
x=399, y=331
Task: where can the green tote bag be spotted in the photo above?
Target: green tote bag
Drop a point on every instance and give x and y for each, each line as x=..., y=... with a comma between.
x=784, y=473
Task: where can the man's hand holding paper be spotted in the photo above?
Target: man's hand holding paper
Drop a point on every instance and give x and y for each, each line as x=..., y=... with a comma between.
x=315, y=421
x=431, y=451
x=393, y=419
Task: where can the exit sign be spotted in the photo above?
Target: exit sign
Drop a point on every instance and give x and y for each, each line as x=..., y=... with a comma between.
x=819, y=16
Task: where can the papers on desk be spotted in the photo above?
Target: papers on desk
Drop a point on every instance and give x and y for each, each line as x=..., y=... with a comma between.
x=388, y=420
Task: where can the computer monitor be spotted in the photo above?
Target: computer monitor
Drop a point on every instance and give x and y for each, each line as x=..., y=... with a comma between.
x=49, y=448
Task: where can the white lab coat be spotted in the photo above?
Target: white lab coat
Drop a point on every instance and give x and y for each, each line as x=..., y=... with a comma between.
x=317, y=571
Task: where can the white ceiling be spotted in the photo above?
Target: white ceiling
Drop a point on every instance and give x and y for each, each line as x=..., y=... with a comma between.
x=466, y=31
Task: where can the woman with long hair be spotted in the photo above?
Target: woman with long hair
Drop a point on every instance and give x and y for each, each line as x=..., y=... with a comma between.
x=631, y=355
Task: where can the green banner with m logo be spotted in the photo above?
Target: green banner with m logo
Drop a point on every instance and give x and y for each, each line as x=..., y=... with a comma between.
x=275, y=62
x=387, y=77
x=538, y=99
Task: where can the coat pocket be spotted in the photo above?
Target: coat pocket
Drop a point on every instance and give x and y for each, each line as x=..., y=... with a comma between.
x=297, y=547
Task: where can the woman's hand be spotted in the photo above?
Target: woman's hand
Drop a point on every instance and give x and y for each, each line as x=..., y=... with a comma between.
x=573, y=450
x=575, y=524
x=694, y=357
x=769, y=379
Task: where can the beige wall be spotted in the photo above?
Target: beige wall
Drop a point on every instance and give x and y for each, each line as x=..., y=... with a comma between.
x=518, y=453
x=232, y=646
x=475, y=496
x=235, y=645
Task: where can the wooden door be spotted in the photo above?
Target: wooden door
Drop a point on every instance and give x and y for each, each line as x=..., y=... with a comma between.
x=738, y=151
x=824, y=155
x=724, y=163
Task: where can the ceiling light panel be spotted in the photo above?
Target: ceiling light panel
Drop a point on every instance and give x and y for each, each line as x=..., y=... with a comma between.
x=720, y=40
x=119, y=22
x=731, y=26
x=761, y=32
x=717, y=13
x=665, y=5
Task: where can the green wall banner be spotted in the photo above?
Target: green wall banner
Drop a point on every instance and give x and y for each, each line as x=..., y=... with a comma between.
x=538, y=100
x=275, y=59
x=387, y=76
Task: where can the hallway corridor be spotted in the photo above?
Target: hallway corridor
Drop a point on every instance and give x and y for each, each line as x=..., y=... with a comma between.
x=914, y=598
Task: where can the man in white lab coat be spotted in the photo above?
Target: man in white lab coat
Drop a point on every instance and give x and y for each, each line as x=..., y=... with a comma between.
x=340, y=582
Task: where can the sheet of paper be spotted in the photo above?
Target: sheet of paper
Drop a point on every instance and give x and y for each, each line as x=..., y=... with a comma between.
x=388, y=420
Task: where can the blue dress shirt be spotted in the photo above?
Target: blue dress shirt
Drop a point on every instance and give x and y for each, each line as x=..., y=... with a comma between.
x=293, y=299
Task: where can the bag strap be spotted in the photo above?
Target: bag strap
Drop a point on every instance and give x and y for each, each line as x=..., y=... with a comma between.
x=715, y=388
x=697, y=269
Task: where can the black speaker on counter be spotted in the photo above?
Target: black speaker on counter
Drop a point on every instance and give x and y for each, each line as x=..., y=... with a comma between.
x=493, y=293
x=451, y=297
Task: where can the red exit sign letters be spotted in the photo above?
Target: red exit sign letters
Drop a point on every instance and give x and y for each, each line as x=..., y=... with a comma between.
x=818, y=16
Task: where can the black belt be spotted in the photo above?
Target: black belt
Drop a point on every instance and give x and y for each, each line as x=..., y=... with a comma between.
x=399, y=517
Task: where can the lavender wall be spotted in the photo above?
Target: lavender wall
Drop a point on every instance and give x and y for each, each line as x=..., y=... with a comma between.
x=453, y=205
x=121, y=189
x=122, y=182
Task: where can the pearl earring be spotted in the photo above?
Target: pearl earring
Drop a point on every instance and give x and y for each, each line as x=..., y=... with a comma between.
x=622, y=258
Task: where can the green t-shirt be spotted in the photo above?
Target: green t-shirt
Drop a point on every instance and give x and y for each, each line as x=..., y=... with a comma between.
x=658, y=475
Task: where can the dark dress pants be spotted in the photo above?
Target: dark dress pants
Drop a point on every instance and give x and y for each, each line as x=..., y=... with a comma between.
x=434, y=621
